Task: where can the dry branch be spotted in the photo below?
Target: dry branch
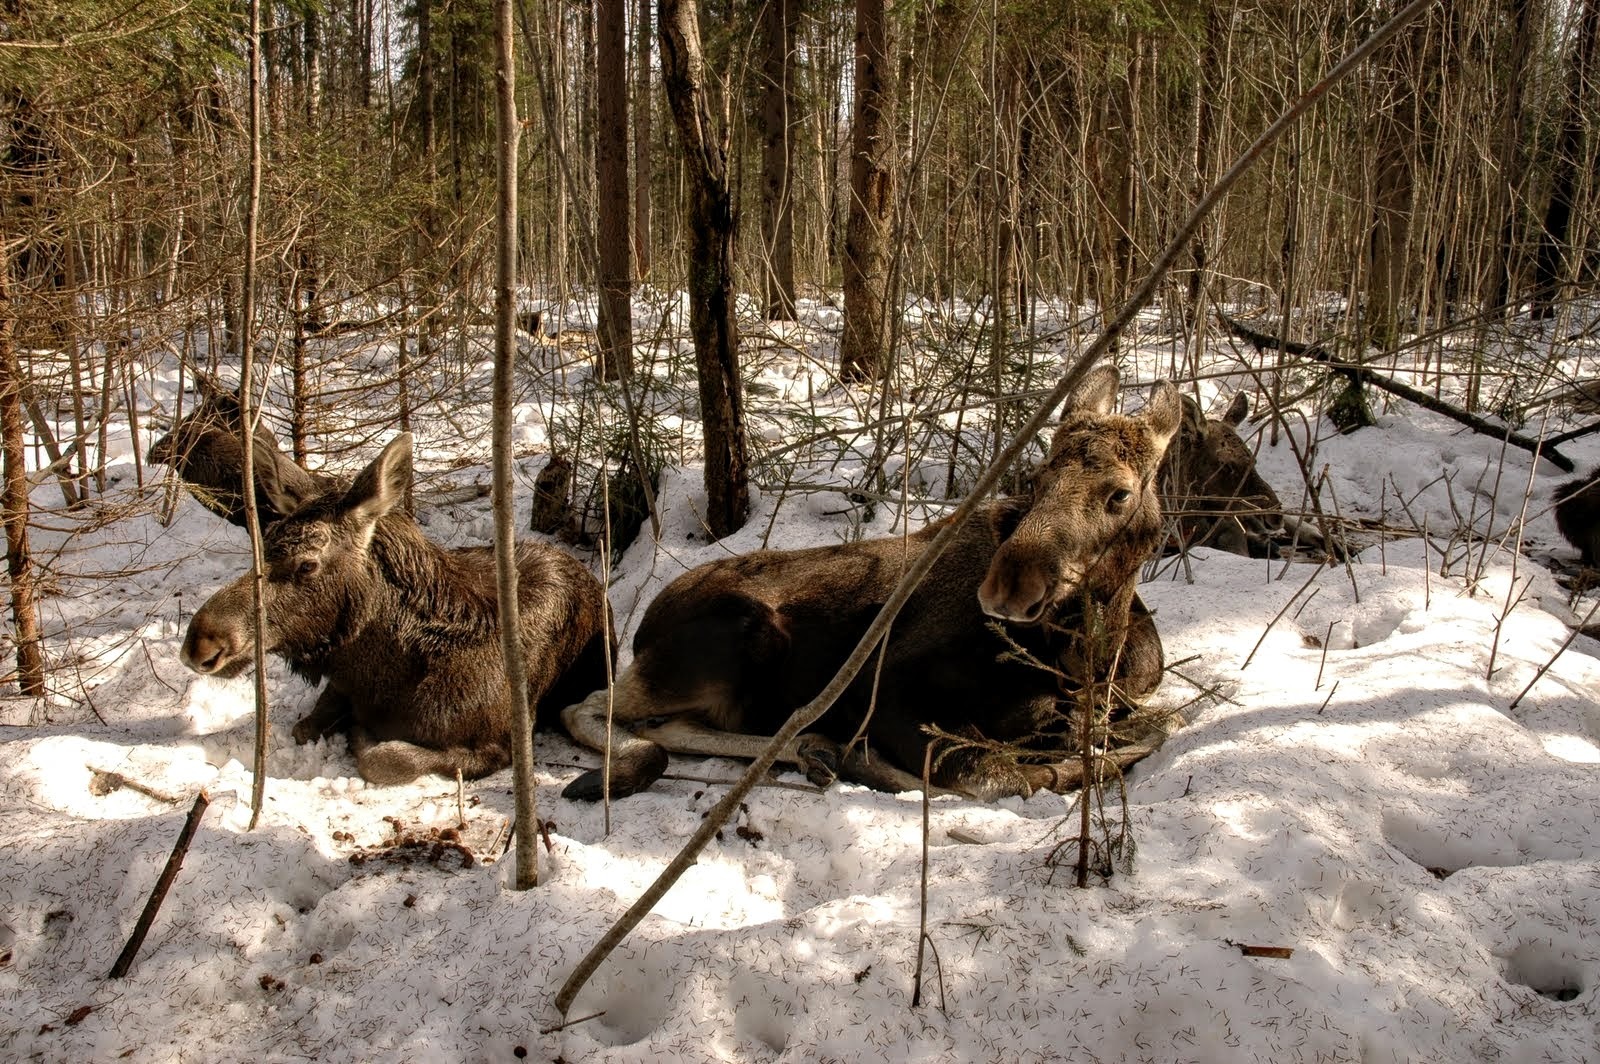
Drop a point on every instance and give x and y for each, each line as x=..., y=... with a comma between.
x=1361, y=374
x=807, y=715
x=163, y=884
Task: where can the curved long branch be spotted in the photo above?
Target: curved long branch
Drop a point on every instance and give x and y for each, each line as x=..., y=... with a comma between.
x=808, y=714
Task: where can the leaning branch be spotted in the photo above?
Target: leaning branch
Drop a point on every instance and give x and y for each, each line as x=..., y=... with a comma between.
x=152, y=906
x=807, y=715
x=1361, y=374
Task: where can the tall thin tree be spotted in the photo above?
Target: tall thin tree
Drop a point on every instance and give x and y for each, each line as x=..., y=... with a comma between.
x=642, y=115
x=247, y=411
x=14, y=495
x=612, y=204
x=864, y=347
x=508, y=130
x=710, y=228
x=775, y=121
x=1572, y=161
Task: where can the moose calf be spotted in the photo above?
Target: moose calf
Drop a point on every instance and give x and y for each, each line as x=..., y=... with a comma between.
x=406, y=633
x=1210, y=485
x=728, y=650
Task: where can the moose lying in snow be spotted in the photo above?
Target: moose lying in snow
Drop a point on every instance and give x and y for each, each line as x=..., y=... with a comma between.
x=728, y=650
x=204, y=450
x=1210, y=485
x=406, y=632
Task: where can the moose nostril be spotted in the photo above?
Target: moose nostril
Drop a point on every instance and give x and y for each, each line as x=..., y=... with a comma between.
x=204, y=654
x=1015, y=596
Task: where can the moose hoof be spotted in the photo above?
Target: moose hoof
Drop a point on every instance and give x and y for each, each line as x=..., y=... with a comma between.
x=820, y=759
x=630, y=774
x=993, y=777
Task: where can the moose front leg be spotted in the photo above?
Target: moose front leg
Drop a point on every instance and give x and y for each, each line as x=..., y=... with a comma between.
x=645, y=727
x=330, y=715
x=635, y=763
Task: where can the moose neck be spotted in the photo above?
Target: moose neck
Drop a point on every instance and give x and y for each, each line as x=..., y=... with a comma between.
x=442, y=590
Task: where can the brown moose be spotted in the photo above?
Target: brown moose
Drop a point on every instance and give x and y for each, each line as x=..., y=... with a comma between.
x=728, y=650
x=1578, y=515
x=203, y=449
x=405, y=632
x=1210, y=486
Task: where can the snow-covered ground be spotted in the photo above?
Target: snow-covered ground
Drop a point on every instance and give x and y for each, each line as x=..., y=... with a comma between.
x=1360, y=788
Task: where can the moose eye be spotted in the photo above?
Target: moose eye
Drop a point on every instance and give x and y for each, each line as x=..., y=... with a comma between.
x=307, y=568
x=1119, y=499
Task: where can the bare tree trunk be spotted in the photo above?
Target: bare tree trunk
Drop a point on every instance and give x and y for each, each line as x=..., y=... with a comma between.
x=615, y=282
x=1510, y=190
x=778, y=106
x=425, y=89
x=1123, y=149
x=864, y=347
x=505, y=348
x=313, y=61
x=710, y=226
x=1570, y=163
x=1393, y=164
x=247, y=412
x=14, y=496
x=587, y=85
x=642, y=115
x=1005, y=89
x=1206, y=77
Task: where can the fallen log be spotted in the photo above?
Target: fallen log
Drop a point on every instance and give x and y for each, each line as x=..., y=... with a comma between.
x=1359, y=373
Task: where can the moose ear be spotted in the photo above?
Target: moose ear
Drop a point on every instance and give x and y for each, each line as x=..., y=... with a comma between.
x=208, y=387
x=1194, y=421
x=286, y=486
x=1095, y=394
x=381, y=486
x=1238, y=410
x=1163, y=413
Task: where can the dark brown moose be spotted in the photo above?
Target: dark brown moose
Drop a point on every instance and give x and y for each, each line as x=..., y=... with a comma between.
x=1578, y=515
x=204, y=450
x=1210, y=486
x=405, y=632
x=728, y=650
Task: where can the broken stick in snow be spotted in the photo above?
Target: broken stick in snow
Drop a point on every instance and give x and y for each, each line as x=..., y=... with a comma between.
x=163, y=884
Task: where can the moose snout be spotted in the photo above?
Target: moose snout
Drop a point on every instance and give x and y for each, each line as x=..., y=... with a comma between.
x=205, y=650
x=210, y=649
x=1016, y=593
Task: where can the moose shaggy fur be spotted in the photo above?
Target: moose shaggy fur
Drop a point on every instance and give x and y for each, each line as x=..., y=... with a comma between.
x=405, y=632
x=1578, y=515
x=728, y=650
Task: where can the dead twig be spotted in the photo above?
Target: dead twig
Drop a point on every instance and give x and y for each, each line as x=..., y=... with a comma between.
x=1358, y=372
x=1576, y=631
x=572, y=1023
x=163, y=884
x=103, y=782
x=922, y=903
